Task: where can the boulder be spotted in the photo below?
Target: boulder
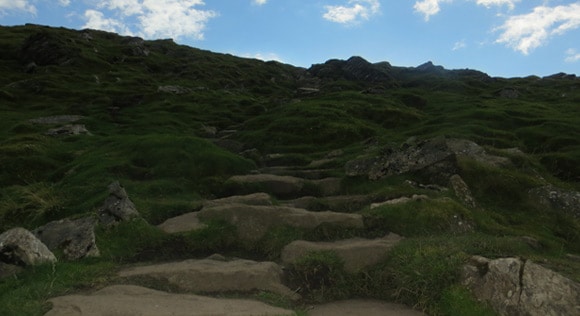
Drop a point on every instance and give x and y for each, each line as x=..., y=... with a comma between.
x=558, y=199
x=215, y=276
x=69, y=129
x=254, y=221
x=357, y=253
x=117, y=207
x=173, y=89
x=8, y=270
x=462, y=191
x=20, y=247
x=75, y=237
x=131, y=300
x=513, y=286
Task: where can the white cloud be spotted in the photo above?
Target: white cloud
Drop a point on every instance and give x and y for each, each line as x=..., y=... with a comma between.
x=97, y=20
x=527, y=32
x=428, y=7
x=64, y=3
x=357, y=10
x=16, y=5
x=154, y=18
x=488, y=3
x=432, y=7
x=260, y=2
x=459, y=45
x=572, y=56
x=264, y=56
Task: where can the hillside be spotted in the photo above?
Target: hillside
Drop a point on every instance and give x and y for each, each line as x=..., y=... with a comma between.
x=478, y=165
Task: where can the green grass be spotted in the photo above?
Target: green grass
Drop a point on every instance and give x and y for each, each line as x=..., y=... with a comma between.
x=152, y=142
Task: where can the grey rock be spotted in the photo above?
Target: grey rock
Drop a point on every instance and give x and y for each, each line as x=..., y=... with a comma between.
x=281, y=186
x=462, y=191
x=56, y=119
x=514, y=286
x=363, y=307
x=216, y=276
x=254, y=221
x=9, y=270
x=69, y=129
x=173, y=89
x=75, y=237
x=182, y=223
x=401, y=200
x=129, y=300
x=356, y=253
x=18, y=246
x=117, y=207
x=557, y=199
x=435, y=158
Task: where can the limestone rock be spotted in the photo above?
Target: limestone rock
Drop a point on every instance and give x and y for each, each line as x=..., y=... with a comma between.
x=558, y=199
x=281, y=186
x=20, y=247
x=517, y=287
x=462, y=191
x=253, y=221
x=357, y=253
x=128, y=300
x=75, y=237
x=117, y=207
x=216, y=276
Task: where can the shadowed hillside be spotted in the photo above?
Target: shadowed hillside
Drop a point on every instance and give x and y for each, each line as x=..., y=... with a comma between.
x=478, y=165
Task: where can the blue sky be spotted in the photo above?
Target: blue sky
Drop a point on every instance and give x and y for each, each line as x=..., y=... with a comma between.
x=507, y=38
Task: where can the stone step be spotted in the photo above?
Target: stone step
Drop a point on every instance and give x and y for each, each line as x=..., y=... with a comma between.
x=215, y=275
x=357, y=253
x=284, y=187
x=254, y=221
x=337, y=203
x=363, y=307
x=129, y=300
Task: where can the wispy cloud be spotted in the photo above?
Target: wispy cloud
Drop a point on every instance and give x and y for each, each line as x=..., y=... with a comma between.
x=488, y=3
x=354, y=12
x=572, y=56
x=264, y=56
x=527, y=32
x=431, y=7
x=459, y=45
x=16, y=5
x=64, y=3
x=154, y=18
x=259, y=2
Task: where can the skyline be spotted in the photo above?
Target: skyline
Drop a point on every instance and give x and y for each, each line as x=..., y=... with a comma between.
x=506, y=38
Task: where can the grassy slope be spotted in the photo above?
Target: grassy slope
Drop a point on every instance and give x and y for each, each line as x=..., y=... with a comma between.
x=152, y=142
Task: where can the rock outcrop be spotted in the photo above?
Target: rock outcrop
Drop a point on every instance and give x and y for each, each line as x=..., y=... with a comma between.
x=117, y=207
x=558, y=199
x=462, y=191
x=131, y=300
x=435, y=158
x=356, y=253
x=18, y=246
x=363, y=307
x=75, y=237
x=513, y=286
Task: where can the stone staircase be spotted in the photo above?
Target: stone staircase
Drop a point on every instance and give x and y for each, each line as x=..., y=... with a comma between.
x=303, y=197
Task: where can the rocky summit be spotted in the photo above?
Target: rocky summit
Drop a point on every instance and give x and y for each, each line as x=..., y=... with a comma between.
x=149, y=178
